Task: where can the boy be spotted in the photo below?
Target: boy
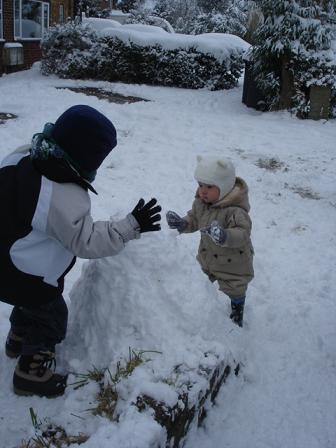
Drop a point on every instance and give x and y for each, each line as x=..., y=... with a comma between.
x=220, y=212
x=46, y=222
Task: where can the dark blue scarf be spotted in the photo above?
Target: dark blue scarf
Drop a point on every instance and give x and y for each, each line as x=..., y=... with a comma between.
x=44, y=147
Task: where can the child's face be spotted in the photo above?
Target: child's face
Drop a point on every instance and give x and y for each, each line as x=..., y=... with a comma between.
x=208, y=193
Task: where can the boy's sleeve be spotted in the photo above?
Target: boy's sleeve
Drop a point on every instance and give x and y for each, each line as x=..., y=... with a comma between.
x=238, y=230
x=191, y=219
x=70, y=222
x=14, y=157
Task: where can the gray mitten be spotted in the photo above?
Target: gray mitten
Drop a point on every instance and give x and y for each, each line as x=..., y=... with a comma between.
x=175, y=221
x=216, y=233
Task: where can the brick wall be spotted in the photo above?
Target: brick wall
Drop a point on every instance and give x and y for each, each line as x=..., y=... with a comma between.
x=32, y=52
x=1, y=66
x=55, y=8
x=8, y=28
x=31, y=49
x=8, y=20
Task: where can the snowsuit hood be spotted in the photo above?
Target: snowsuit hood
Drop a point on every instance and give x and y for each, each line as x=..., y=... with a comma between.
x=238, y=196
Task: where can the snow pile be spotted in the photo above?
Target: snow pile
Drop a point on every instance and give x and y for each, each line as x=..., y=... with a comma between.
x=138, y=299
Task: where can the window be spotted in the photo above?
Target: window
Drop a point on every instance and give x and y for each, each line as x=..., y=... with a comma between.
x=61, y=13
x=1, y=30
x=31, y=19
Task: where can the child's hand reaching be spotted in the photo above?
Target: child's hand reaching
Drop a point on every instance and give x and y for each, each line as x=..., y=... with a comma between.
x=175, y=221
x=147, y=215
x=215, y=232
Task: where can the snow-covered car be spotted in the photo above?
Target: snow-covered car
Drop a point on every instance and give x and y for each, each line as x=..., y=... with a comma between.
x=102, y=25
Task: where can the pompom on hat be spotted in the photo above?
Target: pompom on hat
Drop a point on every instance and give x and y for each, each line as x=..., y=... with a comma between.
x=216, y=171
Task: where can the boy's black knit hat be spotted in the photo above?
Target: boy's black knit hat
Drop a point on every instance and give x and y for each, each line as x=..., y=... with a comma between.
x=86, y=136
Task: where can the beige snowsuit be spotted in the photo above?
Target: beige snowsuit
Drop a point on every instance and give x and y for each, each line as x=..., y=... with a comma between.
x=231, y=264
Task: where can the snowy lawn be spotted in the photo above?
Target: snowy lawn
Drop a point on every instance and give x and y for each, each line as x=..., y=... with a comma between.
x=153, y=295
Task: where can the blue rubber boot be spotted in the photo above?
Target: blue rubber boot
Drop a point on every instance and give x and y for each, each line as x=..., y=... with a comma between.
x=237, y=314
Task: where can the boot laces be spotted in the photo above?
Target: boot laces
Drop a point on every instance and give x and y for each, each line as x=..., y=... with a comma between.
x=46, y=362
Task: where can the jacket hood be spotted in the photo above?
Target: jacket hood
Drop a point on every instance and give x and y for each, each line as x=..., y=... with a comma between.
x=238, y=197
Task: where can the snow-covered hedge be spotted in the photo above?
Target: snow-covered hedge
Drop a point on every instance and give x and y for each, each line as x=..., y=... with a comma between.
x=70, y=51
x=146, y=55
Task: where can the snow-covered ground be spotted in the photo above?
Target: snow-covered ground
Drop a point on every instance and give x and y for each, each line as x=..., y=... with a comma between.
x=153, y=295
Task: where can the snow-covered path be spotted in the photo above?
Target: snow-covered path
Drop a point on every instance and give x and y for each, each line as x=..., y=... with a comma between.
x=285, y=396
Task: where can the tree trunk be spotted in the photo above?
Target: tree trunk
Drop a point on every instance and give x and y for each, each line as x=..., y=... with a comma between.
x=287, y=84
x=319, y=102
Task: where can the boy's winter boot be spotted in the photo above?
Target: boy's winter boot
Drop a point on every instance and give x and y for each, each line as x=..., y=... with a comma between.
x=13, y=345
x=33, y=376
x=237, y=313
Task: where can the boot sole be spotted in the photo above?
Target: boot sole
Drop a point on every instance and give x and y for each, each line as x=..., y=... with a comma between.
x=28, y=393
x=11, y=354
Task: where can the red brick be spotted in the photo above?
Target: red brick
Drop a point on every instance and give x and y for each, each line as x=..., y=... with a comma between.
x=31, y=48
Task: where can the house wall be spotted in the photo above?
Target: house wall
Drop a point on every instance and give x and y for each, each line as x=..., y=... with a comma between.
x=55, y=9
x=1, y=64
x=31, y=48
x=8, y=20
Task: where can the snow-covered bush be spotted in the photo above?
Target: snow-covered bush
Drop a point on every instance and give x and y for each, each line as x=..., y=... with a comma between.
x=186, y=16
x=128, y=5
x=199, y=16
x=233, y=22
x=214, y=5
x=180, y=13
x=70, y=48
x=153, y=65
x=296, y=36
x=92, y=8
x=143, y=16
x=127, y=55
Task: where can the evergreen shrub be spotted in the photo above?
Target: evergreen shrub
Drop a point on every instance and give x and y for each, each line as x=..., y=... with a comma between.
x=70, y=48
x=299, y=33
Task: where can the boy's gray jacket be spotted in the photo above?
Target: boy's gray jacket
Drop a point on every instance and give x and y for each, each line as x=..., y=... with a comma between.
x=232, y=263
x=49, y=226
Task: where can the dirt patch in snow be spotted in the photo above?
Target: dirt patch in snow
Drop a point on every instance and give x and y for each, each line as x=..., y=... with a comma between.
x=4, y=116
x=271, y=164
x=102, y=94
x=304, y=192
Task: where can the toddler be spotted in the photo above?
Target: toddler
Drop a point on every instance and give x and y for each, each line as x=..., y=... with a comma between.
x=221, y=212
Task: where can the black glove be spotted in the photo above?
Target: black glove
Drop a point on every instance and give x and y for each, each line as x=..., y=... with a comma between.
x=147, y=215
